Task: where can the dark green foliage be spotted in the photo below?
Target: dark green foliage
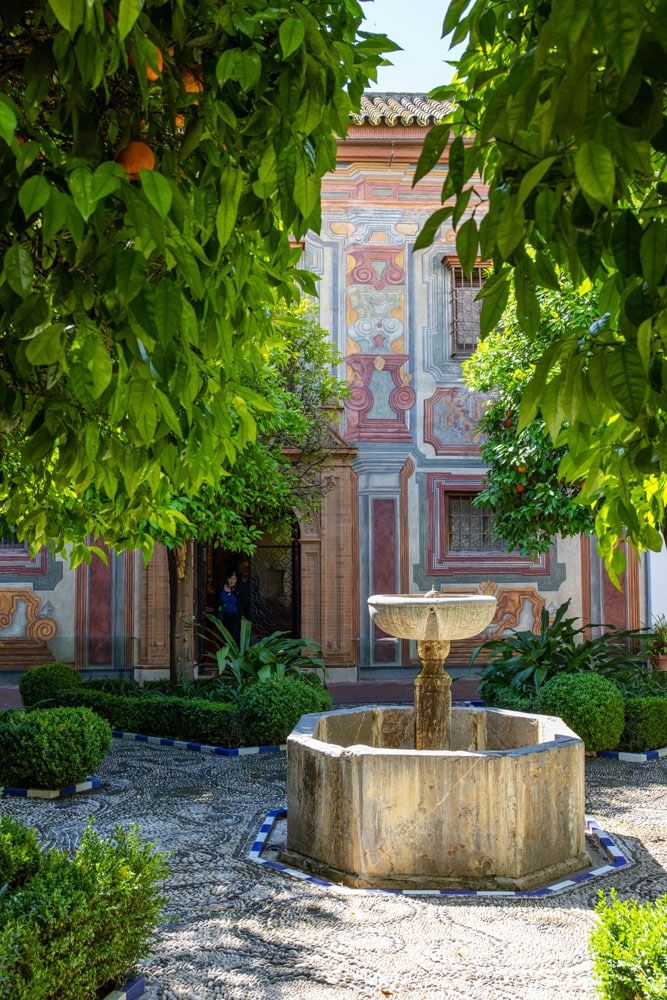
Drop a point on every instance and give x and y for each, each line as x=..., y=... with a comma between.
x=269, y=710
x=52, y=747
x=589, y=704
x=163, y=715
x=507, y=697
x=43, y=683
x=645, y=724
x=523, y=661
x=242, y=663
x=629, y=948
x=19, y=853
x=79, y=925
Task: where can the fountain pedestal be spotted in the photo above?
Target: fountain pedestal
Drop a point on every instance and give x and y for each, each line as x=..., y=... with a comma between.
x=433, y=697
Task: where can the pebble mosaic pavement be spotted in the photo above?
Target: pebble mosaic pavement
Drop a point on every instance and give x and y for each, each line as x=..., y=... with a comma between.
x=236, y=931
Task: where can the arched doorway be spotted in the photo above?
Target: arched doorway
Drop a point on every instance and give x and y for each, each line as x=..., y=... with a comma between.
x=269, y=582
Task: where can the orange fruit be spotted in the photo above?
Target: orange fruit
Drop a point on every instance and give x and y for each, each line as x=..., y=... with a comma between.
x=151, y=74
x=521, y=468
x=179, y=121
x=520, y=488
x=135, y=157
x=192, y=81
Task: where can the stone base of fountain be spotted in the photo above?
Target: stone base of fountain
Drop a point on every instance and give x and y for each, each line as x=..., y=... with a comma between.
x=502, y=809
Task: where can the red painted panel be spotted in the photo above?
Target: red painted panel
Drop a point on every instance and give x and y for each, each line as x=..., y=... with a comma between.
x=99, y=611
x=385, y=578
x=614, y=605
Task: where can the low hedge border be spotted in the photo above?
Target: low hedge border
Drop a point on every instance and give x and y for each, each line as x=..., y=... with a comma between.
x=166, y=741
x=133, y=989
x=52, y=793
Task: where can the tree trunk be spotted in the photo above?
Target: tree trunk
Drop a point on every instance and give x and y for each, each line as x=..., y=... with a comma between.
x=181, y=626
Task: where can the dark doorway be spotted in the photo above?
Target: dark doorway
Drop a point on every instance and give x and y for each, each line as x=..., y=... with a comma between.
x=269, y=584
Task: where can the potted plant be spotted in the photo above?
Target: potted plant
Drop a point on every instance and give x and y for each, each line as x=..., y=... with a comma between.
x=657, y=645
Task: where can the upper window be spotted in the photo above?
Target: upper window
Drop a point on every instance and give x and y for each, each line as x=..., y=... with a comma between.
x=469, y=528
x=11, y=543
x=464, y=309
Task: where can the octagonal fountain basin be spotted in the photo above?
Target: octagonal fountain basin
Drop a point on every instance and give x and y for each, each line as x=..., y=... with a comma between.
x=502, y=809
x=431, y=616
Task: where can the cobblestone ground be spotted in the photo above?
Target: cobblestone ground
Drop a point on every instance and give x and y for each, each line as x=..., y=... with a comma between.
x=239, y=932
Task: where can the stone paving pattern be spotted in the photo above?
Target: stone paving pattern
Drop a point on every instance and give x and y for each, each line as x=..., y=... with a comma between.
x=239, y=932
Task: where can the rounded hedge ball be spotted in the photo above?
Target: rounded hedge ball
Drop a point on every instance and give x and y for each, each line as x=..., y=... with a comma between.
x=51, y=747
x=46, y=682
x=589, y=704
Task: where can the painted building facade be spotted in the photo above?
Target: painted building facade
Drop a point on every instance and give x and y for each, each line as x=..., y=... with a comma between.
x=397, y=512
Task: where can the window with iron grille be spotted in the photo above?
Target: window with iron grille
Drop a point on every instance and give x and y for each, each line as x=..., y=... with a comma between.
x=469, y=528
x=11, y=543
x=465, y=309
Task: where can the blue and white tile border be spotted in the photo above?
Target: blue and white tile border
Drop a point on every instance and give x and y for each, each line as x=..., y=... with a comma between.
x=615, y=860
x=633, y=758
x=133, y=989
x=165, y=741
x=51, y=793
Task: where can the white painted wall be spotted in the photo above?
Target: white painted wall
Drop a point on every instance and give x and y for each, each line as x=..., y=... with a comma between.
x=657, y=584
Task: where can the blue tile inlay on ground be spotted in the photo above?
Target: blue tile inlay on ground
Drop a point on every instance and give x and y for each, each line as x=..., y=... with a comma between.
x=165, y=741
x=633, y=758
x=89, y=785
x=615, y=858
x=133, y=989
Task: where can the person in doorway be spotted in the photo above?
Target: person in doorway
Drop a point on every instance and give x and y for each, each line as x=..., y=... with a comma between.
x=230, y=607
x=246, y=588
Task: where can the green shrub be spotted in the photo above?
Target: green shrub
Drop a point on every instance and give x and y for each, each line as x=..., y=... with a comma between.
x=507, y=697
x=524, y=661
x=629, y=948
x=645, y=724
x=269, y=710
x=79, y=925
x=44, y=683
x=164, y=715
x=589, y=704
x=19, y=853
x=51, y=747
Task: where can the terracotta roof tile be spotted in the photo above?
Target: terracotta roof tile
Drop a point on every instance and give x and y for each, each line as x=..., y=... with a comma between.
x=399, y=109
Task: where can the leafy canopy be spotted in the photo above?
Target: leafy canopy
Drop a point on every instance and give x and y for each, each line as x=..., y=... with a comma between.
x=530, y=499
x=559, y=110
x=155, y=160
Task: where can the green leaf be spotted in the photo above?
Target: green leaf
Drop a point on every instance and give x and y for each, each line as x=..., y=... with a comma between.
x=129, y=274
x=105, y=180
x=532, y=178
x=626, y=378
x=18, y=270
x=626, y=244
x=47, y=347
x=619, y=23
x=7, y=122
x=466, y=245
x=653, y=253
x=432, y=150
x=128, y=13
x=157, y=190
x=594, y=167
x=493, y=302
x=456, y=166
x=431, y=226
x=69, y=13
x=291, y=35
x=99, y=364
x=80, y=183
x=33, y=195
x=231, y=185
x=54, y=216
x=141, y=407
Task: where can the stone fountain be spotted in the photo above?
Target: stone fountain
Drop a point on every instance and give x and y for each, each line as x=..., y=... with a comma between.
x=434, y=796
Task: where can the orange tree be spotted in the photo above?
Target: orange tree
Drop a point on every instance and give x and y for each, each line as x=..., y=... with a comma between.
x=559, y=107
x=156, y=160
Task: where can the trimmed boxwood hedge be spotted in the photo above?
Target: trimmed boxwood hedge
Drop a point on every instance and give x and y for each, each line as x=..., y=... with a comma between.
x=269, y=710
x=211, y=722
x=51, y=747
x=266, y=712
x=645, y=724
x=73, y=928
x=629, y=948
x=589, y=704
x=46, y=682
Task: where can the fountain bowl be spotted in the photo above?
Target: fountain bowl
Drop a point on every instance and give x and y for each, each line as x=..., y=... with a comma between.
x=432, y=616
